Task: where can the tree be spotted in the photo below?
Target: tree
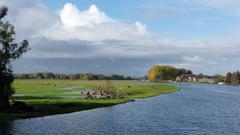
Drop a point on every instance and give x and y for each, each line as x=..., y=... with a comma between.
x=87, y=76
x=200, y=75
x=238, y=76
x=168, y=73
x=228, y=78
x=235, y=78
x=153, y=73
x=189, y=72
x=181, y=71
x=9, y=51
x=108, y=90
x=218, y=78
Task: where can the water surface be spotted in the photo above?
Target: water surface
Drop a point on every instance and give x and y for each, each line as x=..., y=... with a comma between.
x=196, y=109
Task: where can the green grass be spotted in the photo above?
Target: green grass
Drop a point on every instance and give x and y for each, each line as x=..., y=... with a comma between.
x=49, y=96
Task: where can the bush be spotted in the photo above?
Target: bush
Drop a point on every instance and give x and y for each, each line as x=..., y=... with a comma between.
x=108, y=90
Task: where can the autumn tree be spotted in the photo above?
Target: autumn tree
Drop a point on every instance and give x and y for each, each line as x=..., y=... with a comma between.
x=9, y=51
x=153, y=73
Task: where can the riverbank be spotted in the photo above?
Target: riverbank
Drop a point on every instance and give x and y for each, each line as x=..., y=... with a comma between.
x=50, y=97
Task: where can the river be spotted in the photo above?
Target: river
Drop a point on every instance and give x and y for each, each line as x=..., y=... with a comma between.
x=196, y=109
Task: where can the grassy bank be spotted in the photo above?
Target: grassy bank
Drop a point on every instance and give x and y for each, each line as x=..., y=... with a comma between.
x=50, y=97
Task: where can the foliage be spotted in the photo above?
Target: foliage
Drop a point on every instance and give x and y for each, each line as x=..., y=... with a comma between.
x=201, y=76
x=228, y=78
x=76, y=76
x=218, y=78
x=108, y=90
x=106, y=87
x=9, y=51
x=153, y=73
x=165, y=73
x=233, y=78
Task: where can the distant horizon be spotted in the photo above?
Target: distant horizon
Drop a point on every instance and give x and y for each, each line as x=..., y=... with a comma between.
x=127, y=37
x=109, y=74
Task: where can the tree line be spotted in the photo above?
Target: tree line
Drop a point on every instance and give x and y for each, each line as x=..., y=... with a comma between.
x=75, y=76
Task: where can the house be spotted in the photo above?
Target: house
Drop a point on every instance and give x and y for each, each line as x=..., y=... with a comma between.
x=187, y=78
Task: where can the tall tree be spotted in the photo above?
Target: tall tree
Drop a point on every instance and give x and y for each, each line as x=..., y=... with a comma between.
x=9, y=51
x=235, y=78
x=153, y=73
x=237, y=81
x=228, y=78
x=238, y=77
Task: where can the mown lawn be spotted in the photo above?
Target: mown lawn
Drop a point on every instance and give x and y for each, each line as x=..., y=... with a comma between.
x=52, y=96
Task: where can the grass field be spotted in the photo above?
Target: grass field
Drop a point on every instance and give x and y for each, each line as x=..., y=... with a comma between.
x=65, y=96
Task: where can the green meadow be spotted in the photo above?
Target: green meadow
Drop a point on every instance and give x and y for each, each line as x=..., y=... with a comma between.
x=50, y=97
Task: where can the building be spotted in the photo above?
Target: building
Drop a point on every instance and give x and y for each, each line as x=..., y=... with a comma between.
x=187, y=78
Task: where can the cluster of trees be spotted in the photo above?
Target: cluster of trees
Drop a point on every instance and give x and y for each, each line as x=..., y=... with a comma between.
x=230, y=78
x=215, y=78
x=202, y=76
x=77, y=76
x=233, y=78
x=163, y=73
x=218, y=78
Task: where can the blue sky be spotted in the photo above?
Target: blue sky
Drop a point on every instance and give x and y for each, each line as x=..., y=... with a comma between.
x=133, y=35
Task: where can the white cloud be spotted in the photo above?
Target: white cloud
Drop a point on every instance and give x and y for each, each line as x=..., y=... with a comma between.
x=72, y=17
x=92, y=25
x=198, y=62
x=193, y=59
x=192, y=62
x=141, y=28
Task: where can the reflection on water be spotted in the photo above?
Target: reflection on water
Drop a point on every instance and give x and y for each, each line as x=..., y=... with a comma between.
x=196, y=109
x=7, y=128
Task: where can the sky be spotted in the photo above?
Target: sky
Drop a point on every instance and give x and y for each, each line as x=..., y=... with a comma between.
x=128, y=36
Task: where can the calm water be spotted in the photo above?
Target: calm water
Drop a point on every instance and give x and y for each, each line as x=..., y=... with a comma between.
x=196, y=109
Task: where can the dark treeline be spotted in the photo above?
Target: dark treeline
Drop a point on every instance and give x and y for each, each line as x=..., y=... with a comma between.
x=75, y=76
x=232, y=78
